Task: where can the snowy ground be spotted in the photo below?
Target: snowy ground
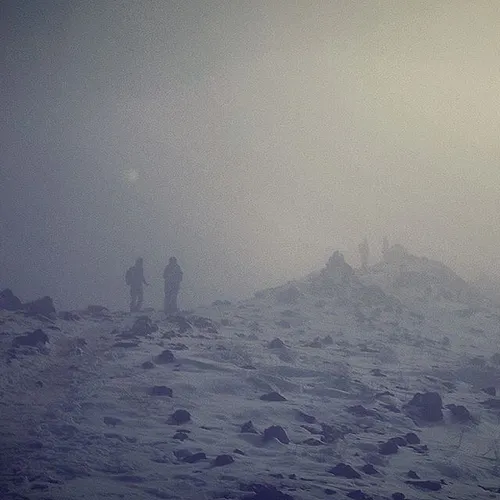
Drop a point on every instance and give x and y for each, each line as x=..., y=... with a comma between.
x=79, y=420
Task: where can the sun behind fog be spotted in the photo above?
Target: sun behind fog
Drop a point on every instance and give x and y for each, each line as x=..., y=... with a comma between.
x=131, y=175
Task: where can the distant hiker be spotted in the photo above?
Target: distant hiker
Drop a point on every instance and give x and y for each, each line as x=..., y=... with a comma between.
x=173, y=277
x=364, y=254
x=135, y=279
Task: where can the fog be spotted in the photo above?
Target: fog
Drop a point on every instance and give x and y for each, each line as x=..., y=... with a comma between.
x=248, y=139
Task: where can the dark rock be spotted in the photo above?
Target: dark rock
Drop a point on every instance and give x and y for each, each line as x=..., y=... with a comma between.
x=425, y=485
x=238, y=451
x=147, y=365
x=272, y=396
x=248, y=427
x=328, y=340
x=278, y=475
x=491, y=391
x=42, y=307
x=361, y=411
x=265, y=492
x=358, y=495
x=460, y=413
x=369, y=469
x=305, y=417
x=398, y=496
x=9, y=302
x=493, y=404
x=292, y=477
x=376, y=372
x=68, y=316
x=276, y=343
x=202, y=323
x=165, y=357
x=283, y=324
x=113, y=421
x=125, y=345
x=221, y=460
x=276, y=432
x=97, y=310
x=399, y=440
x=161, y=390
x=412, y=474
x=344, y=470
x=180, y=436
x=392, y=408
x=426, y=406
x=388, y=448
x=36, y=338
x=330, y=434
x=143, y=326
x=249, y=367
x=183, y=325
x=412, y=438
x=313, y=442
x=195, y=457
x=329, y=491
x=179, y=417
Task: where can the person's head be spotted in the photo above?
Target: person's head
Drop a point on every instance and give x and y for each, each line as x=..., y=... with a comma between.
x=172, y=260
x=138, y=262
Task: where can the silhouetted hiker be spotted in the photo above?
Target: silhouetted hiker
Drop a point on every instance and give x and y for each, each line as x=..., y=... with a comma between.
x=173, y=277
x=135, y=279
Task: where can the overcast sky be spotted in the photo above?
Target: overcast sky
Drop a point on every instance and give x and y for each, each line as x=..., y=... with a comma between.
x=248, y=138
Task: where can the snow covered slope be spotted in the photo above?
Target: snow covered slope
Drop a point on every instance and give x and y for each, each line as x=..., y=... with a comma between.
x=303, y=390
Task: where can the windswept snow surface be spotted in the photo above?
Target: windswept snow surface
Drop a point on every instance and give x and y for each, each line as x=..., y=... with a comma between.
x=79, y=420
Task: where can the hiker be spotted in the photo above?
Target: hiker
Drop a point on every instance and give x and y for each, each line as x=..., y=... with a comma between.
x=173, y=277
x=135, y=279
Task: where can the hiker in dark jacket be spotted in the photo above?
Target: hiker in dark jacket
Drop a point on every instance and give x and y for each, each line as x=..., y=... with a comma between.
x=135, y=279
x=173, y=277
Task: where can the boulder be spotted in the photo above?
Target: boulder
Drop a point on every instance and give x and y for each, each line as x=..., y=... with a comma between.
x=276, y=432
x=36, y=338
x=388, y=448
x=426, y=406
x=9, y=302
x=412, y=438
x=195, y=457
x=460, y=413
x=40, y=307
x=276, y=343
x=179, y=417
x=221, y=460
x=344, y=470
x=425, y=485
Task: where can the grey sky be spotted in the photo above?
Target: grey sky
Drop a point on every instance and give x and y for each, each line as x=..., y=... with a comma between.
x=249, y=139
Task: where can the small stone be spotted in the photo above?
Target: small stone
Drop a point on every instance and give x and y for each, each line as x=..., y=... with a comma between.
x=344, y=470
x=306, y=418
x=388, y=448
x=147, y=365
x=276, y=432
x=369, y=469
x=222, y=460
x=161, y=390
x=412, y=474
x=412, y=438
x=238, y=451
x=398, y=496
x=329, y=491
x=272, y=396
x=165, y=357
x=276, y=343
x=358, y=495
x=179, y=417
x=249, y=427
x=195, y=457
x=113, y=421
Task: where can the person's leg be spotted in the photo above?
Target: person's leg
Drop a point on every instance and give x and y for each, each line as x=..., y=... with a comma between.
x=140, y=299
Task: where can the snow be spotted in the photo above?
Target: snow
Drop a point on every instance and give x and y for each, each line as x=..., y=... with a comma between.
x=423, y=335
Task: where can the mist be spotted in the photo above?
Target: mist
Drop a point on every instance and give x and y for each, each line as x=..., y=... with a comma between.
x=248, y=139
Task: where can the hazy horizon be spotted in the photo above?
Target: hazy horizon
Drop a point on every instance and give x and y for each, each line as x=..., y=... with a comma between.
x=249, y=139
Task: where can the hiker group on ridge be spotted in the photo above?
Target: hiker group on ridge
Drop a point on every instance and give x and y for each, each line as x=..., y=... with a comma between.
x=172, y=276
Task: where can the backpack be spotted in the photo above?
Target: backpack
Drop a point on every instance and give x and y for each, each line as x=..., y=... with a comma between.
x=129, y=275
